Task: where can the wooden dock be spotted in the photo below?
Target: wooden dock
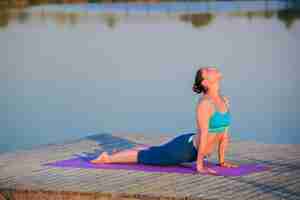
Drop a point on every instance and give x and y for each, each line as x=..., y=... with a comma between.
x=23, y=176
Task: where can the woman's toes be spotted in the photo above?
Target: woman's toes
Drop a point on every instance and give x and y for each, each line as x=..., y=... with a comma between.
x=106, y=157
x=97, y=160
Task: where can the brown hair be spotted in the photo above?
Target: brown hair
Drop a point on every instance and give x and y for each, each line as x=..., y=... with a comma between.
x=198, y=87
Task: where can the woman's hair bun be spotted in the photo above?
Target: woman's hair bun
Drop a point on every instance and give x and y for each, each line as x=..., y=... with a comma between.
x=196, y=89
x=197, y=86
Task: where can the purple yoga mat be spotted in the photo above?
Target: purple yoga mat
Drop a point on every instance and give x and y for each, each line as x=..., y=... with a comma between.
x=243, y=169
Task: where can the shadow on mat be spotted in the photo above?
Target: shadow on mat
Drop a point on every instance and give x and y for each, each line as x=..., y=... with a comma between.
x=108, y=143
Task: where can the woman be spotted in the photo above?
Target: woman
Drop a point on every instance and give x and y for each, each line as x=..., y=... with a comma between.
x=213, y=120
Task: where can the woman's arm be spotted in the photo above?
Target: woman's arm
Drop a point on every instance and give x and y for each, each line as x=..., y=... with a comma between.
x=203, y=113
x=223, y=146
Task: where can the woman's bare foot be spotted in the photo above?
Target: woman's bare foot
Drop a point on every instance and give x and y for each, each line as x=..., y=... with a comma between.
x=103, y=158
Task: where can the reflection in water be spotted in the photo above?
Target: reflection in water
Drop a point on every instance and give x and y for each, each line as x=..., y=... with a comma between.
x=16, y=11
x=73, y=18
x=111, y=20
x=61, y=18
x=22, y=17
x=13, y=11
x=288, y=17
x=265, y=14
x=198, y=20
x=4, y=15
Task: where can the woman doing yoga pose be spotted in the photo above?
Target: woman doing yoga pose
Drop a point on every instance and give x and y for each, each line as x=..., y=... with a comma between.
x=213, y=121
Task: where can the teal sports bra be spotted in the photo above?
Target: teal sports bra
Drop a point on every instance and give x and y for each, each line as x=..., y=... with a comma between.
x=219, y=122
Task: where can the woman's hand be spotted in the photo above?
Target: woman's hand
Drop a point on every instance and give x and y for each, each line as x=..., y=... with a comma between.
x=228, y=165
x=203, y=169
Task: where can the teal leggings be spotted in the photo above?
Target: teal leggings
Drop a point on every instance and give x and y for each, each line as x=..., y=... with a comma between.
x=178, y=150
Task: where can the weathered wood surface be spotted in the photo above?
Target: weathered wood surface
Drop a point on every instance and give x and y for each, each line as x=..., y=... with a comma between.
x=22, y=175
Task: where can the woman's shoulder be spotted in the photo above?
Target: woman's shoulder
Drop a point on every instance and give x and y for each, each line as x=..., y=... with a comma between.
x=205, y=100
x=205, y=103
x=226, y=99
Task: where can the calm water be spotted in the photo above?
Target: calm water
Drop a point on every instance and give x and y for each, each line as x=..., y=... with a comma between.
x=68, y=71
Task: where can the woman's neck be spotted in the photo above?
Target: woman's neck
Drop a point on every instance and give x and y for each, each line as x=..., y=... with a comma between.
x=213, y=94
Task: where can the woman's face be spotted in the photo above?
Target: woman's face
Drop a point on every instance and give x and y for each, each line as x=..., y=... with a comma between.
x=211, y=74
